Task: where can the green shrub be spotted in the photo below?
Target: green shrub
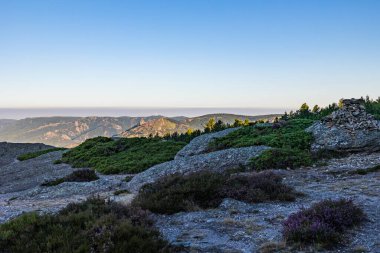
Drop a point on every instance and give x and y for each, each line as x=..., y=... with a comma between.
x=32, y=155
x=365, y=171
x=86, y=175
x=92, y=226
x=291, y=135
x=207, y=190
x=281, y=158
x=127, y=155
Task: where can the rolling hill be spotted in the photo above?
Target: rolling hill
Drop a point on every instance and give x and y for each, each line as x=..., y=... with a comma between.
x=71, y=131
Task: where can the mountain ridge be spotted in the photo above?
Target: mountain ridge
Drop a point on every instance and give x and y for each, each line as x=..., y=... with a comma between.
x=71, y=131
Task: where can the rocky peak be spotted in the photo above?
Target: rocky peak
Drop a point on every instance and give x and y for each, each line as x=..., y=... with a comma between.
x=352, y=116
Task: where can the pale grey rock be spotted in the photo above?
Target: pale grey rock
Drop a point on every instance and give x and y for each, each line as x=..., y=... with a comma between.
x=236, y=226
x=200, y=144
x=10, y=151
x=348, y=129
x=218, y=161
x=21, y=190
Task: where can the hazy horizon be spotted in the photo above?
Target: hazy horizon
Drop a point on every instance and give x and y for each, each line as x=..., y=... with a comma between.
x=217, y=53
x=21, y=113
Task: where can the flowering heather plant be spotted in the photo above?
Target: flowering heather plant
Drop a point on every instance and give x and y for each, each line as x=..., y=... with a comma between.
x=323, y=222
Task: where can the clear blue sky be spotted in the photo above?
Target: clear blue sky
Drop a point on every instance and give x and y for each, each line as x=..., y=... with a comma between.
x=187, y=53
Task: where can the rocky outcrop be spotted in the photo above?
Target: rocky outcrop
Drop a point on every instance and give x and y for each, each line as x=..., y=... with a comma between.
x=218, y=161
x=199, y=144
x=244, y=228
x=348, y=129
x=21, y=190
x=10, y=151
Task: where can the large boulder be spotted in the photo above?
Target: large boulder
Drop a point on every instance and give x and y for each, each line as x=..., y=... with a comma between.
x=218, y=161
x=199, y=145
x=348, y=129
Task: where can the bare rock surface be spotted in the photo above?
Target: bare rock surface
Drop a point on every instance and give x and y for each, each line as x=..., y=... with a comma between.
x=200, y=144
x=217, y=161
x=10, y=151
x=348, y=129
x=21, y=190
x=240, y=227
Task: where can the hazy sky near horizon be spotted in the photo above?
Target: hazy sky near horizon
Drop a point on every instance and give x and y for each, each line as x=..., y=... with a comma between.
x=198, y=53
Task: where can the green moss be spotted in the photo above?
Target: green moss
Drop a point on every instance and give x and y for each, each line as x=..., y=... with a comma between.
x=128, y=155
x=92, y=226
x=32, y=155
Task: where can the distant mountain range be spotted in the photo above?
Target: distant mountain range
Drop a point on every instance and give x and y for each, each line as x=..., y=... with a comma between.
x=71, y=131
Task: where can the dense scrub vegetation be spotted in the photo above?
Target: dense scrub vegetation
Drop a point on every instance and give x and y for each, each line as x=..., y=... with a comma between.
x=281, y=158
x=289, y=135
x=207, y=190
x=317, y=113
x=129, y=155
x=86, y=175
x=92, y=226
x=323, y=223
x=32, y=155
x=373, y=107
x=290, y=142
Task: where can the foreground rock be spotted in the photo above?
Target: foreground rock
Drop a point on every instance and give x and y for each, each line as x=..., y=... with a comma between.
x=199, y=145
x=244, y=228
x=348, y=129
x=10, y=151
x=20, y=189
x=218, y=161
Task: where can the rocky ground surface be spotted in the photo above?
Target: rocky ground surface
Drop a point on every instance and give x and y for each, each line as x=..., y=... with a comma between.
x=217, y=161
x=199, y=145
x=240, y=227
x=21, y=190
x=9, y=151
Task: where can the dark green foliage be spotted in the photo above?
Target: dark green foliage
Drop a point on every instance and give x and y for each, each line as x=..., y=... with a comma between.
x=373, y=107
x=207, y=190
x=128, y=155
x=291, y=135
x=59, y=161
x=183, y=137
x=92, y=226
x=323, y=223
x=86, y=175
x=118, y=192
x=281, y=158
x=317, y=113
x=32, y=155
x=290, y=142
x=128, y=178
x=365, y=171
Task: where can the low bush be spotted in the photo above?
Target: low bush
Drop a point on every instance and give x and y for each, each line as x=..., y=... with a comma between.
x=207, y=190
x=281, y=158
x=92, y=226
x=32, y=155
x=86, y=175
x=323, y=223
x=365, y=171
x=127, y=155
x=291, y=135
